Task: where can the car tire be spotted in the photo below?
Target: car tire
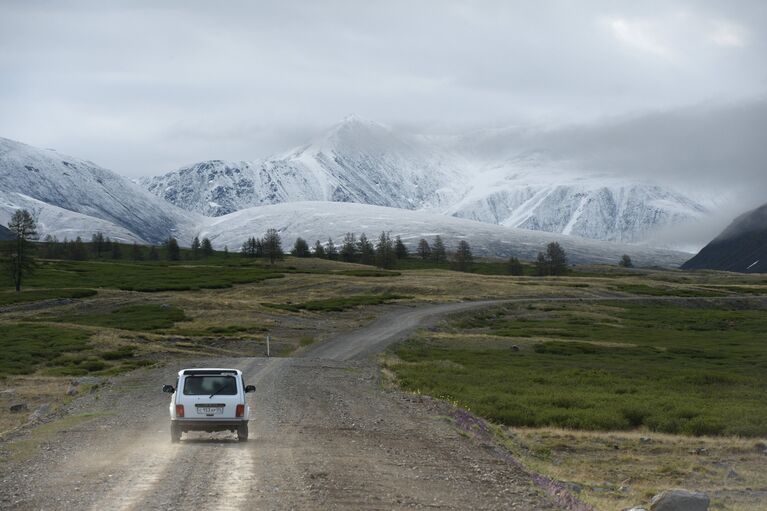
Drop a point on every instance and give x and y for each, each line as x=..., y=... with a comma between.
x=242, y=433
x=175, y=433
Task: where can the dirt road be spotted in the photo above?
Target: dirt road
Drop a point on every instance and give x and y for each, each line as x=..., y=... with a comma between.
x=324, y=435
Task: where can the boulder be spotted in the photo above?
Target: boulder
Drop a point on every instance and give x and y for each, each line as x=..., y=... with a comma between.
x=679, y=500
x=19, y=407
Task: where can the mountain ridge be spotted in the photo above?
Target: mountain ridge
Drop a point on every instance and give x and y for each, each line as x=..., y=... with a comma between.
x=369, y=163
x=79, y=199
x=741, y=247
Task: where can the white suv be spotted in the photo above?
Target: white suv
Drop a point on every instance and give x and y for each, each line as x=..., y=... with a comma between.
x=208, y=399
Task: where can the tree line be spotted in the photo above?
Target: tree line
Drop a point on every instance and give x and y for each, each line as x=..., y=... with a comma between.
x=384, y=252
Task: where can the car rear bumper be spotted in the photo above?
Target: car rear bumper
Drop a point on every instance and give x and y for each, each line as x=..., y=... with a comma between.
x=209, y=425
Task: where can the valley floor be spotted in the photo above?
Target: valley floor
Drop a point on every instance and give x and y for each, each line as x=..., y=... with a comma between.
x=325, y=435
x=331, y=427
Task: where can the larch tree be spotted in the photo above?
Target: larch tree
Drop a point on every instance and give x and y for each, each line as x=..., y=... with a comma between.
x=272, y=246
x=423, y=250
x=557, y=259
x=385, y=256
x=174, y=251
x=349, y=248
x=626, y=261
x=366, y=250
x=195, y=246
x=300, y=248
x=514, y=267
x=400, y=250
x=331, y=251
x=206, y=247
x=20, y=261
x=463, y=258
x=319, y=250
x=438, y=252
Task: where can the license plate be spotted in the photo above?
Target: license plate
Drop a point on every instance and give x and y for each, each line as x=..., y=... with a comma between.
x=210, y=410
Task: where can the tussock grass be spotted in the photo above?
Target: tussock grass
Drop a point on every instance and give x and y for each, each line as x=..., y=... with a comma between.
x=146, y=276
x=146, y=317
x=33, y=295
x=667, y=368
x=337, y=304
x=616, y=470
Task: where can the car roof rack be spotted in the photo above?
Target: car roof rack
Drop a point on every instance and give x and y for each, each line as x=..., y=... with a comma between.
x=198, y=372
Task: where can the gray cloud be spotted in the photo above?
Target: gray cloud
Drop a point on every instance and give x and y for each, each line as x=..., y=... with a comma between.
x=143, y=87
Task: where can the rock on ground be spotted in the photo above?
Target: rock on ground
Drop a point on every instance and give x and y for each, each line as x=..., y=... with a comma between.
x=679, y=500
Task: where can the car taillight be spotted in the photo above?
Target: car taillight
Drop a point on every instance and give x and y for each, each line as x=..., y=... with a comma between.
x=179, y=410
x=240, y=412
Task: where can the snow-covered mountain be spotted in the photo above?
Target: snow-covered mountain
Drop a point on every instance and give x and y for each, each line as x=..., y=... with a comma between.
x=365, y=162
x=322, y=220
x=356, y=161
x=71, y=197
x=68, y=191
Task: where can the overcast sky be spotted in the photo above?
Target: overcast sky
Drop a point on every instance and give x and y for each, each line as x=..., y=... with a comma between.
x=145, y=87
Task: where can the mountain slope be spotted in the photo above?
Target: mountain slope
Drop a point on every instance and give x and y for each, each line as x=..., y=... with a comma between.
x=72, y=197
x=364, y=162
x=742, y=247
x=322, y=220
x=356, y=161
x=82, y=187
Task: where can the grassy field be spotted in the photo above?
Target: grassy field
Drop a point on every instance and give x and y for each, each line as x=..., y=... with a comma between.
x=338, y=304
x=690, y=368
x=145, y=317
x=587, y=375
x=10, y=297
x=621, y=400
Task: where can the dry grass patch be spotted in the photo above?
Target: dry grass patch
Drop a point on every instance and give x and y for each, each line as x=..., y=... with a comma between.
x=617, y=470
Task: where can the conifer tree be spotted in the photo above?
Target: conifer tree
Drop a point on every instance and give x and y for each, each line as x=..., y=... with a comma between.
x=626, y=261
x=542, y=265
x=20, y=261
x=77, y=250
x=424, y=250
x=300, y=248
x=206, y=247
x=97, y=244
x=319, y=250
x=272, y=246
x=331, y=251
x=400, y=250
x=557, y=258
x=385, y=256
x=195, y=247
x=514, y=267
x=174, y=251
x=438, y=252
x=349, y=248
x=366, y=250
x=463, y=258
x=137, y=254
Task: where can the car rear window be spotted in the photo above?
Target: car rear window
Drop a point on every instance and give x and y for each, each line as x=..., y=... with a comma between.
x=208, y=384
